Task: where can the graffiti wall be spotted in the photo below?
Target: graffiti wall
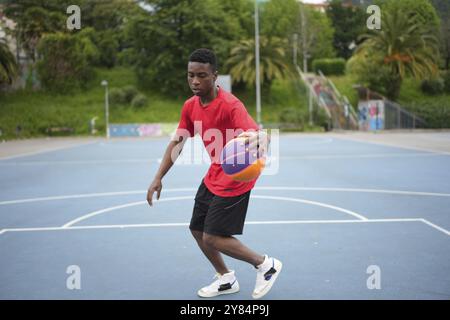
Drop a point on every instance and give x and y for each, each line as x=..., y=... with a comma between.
x=142, y=129
x=371, y=115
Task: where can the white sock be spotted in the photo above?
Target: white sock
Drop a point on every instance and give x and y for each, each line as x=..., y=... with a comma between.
x=228, y=277
x=265, y=265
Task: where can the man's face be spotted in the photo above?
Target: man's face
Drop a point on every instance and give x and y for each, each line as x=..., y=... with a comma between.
x=201, y=78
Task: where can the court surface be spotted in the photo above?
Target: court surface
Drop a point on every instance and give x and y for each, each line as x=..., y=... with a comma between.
x=349, y=219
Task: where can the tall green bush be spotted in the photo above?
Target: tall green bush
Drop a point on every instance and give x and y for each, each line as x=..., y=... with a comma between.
x=329, y=66
x=63, y=65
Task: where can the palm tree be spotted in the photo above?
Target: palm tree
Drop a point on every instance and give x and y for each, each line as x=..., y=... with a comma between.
x=403, y=47
x=273, y=62
x=8, y=65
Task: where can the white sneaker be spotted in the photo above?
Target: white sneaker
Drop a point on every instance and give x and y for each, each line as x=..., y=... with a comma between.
x=266, y=274
x=225, y=284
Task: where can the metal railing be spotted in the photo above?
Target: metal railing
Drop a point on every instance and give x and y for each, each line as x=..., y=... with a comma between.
x=347, y=118
x=397, y=117
x=312, y=93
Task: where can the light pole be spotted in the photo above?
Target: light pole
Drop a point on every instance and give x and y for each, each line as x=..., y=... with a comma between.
x=258, y=84
x=305, y=48
x=294, y=47
x=105, y=84
x=304, y=39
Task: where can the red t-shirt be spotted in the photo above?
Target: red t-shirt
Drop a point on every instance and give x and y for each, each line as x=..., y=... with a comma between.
x=225, y=114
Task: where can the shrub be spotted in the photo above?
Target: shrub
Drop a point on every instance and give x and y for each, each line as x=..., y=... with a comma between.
x=117, y=96
x=436, y=113
x=447, y=82
x=369, y=73
x=321, y=119
x=432, y=86
x=126, y=57
x=292, y=118
x=139, y=101
x=329, y=66
x=108, y=47
x=130, y=93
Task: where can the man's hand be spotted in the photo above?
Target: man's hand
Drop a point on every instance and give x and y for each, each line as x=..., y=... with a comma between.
x=156, y=186
x=257, y=141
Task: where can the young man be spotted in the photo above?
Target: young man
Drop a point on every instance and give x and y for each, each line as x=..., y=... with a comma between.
x=221, y=203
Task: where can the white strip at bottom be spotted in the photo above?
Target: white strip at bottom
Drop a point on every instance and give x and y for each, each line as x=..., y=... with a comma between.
x=185, y=224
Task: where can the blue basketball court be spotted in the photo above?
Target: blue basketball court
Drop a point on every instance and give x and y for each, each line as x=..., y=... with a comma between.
x=348, y=219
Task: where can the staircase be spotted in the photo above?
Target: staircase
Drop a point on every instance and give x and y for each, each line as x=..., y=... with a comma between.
x=337, y=107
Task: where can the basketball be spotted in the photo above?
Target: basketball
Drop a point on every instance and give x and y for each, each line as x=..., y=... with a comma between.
x=240, y=163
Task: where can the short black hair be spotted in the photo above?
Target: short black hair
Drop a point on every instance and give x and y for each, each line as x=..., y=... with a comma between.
x=203, y=55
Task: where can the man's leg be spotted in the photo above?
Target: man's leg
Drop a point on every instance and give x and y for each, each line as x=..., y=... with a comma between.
x=232, y=247
x=210, y=252
x=268, y=268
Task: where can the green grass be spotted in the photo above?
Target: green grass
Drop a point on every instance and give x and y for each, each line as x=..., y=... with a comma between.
x=34, y=112
x=345, y=86
x=284, y=94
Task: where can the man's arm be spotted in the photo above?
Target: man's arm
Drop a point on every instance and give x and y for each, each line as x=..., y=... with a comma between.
x=171, y=154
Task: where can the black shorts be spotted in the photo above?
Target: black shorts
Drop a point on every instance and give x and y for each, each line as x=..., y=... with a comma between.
x=216, y=215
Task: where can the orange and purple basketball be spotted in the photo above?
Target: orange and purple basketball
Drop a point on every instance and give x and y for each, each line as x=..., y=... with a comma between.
x=240, y=163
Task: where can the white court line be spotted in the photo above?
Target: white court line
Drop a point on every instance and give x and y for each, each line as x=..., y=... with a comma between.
x=89, y=195
x=435, y=226
x=158, y=160
x=392, y=145
x=400, y=192
x=314, y=203
x=70, y=162
x=185, y=224
x=127, y=205
x=355, y=156
x=132, y=192
x=47, y=150
x=132, y=204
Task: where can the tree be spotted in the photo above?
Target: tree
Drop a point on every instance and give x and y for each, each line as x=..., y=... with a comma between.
x=63, y=65
x=108, y=47
x=278, y=18
x=8, y=65
x=34, y=18
x=285, y=18
x=445, y=40
x=349, y=22
x=240, y=16
x=402, y=47
x=272, y=61
x=239, y=22
x=36, y=22
x=38, y=17
x=422, y=11
x=163, y=39
x=443, y=9
x=315, y=34
x=109, y=15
